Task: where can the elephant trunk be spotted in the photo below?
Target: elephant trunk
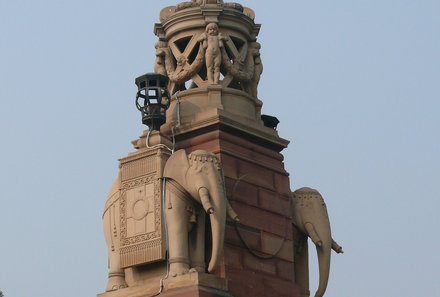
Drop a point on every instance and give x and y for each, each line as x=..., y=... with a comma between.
x=218, y=220
x=324, y=268
x=320, y=233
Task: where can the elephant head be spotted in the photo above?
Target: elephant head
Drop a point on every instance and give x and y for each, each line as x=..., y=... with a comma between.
x=310, y=216
x=201, y=176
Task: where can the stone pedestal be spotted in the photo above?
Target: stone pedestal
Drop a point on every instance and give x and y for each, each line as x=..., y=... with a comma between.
x=196, y=281
x=189, y=285
x=149, y=291
x=195, y=291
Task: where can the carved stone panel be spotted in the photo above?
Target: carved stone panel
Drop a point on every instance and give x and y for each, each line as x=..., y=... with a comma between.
x=142, y=236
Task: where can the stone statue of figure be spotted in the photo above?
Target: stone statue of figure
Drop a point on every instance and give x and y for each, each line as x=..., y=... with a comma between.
x=252, y=86
x=159, y=66
x=212, y=42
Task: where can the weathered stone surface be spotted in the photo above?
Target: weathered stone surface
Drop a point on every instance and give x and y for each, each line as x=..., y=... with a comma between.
x=209, y=51
x=195, y=291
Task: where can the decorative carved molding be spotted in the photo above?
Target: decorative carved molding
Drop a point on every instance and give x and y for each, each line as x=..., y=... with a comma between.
x=136, y=184
x=140, y=210
x=148, y=250
x=138, y=168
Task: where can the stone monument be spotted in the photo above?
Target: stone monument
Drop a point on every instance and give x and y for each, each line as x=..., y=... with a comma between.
x=203, y=206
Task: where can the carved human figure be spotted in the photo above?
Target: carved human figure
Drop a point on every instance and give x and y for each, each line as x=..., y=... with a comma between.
x=310, y=218
x=159, y=65
x=212, y=42
x=194, y=187
x=252, y=85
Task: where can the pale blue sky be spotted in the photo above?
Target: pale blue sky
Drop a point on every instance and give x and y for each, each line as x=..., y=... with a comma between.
x=355, y=84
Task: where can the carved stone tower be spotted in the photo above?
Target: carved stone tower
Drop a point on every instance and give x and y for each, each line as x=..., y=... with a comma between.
x=225, y=118
x=208, y=52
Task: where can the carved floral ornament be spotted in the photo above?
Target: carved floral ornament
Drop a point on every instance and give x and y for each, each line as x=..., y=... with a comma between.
x=210, y=57
x=133, y=184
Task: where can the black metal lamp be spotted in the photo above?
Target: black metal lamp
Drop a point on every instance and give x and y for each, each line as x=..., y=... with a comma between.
x=152, y=99
x=270, y=121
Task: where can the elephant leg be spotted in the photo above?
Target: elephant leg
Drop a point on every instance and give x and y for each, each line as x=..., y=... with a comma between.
x=116, y=276
x=197, y=243
x=311, y=231
x=230, y=211
x=177, y=225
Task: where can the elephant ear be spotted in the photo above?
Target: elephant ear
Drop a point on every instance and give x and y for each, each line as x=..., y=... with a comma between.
x=176, y=167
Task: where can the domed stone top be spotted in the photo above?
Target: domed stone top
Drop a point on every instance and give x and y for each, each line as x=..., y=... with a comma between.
x=208, y=42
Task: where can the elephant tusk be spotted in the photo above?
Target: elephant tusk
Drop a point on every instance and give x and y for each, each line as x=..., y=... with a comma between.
x=232, y=214
x=204, y=198
x=313, y=234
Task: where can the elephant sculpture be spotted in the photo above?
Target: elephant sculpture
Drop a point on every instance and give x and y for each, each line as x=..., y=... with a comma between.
x=311, y=219
x=194, y=187
x=116, y=275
